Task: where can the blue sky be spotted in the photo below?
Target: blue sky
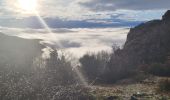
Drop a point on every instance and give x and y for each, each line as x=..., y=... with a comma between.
x=74, y=22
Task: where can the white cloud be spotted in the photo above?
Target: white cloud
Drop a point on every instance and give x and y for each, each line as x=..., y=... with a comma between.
x=80, y=13
x=77, y=41
x=46, y=8
x=110, y=5
x=85, y=9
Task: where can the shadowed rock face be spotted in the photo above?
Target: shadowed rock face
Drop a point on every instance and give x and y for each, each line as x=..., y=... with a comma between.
x=150, y=41
x=166, y=16
x=15, y=51
x=146, y=43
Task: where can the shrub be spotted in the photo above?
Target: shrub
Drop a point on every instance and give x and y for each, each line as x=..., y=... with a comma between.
x=159, y=69
x=58, y=70
x=94, y=65
x=164, y=85
x=140, y=76
x=39, y=81
x=71, y=92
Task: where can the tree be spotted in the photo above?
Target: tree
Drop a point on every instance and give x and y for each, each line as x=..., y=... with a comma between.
x=94, y=65
x=58, y=71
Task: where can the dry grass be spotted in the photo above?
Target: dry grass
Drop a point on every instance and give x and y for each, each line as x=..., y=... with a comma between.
x=125, y=91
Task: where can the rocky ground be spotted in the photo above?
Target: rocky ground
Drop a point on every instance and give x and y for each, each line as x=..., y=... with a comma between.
x=144, y=90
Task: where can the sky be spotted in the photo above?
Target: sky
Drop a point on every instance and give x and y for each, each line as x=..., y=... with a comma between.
x=77, y=26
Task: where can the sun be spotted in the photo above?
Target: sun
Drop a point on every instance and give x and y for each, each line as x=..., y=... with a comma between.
x=28, y=5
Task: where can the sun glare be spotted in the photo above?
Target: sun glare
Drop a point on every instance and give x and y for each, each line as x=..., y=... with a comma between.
x=28, y=5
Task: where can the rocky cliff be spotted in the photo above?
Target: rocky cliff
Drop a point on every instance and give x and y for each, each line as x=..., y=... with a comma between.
x=146, y=43
x=150, y=41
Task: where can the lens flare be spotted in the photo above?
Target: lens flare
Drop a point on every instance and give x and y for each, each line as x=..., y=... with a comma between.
x=30, y=6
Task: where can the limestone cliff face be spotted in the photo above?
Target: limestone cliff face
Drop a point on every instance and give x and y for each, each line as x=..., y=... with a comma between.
x=15, y=51
x=146, y=43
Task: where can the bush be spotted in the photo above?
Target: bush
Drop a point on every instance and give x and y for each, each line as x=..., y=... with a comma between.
x=159, y=69
x=59, y=71
x=94, y=65
x=71, y=92
x=140, y=77
x=164, y=85
x=39, y=81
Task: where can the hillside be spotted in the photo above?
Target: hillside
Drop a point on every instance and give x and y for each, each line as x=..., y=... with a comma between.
x=17, y=51
x=147, y=46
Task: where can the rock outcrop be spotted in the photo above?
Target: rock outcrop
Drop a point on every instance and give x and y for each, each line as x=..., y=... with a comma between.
x=146, y=43
x=150, y=41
